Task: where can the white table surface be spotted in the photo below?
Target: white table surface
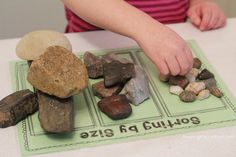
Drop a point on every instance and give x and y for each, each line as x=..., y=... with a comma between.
x=219, y=47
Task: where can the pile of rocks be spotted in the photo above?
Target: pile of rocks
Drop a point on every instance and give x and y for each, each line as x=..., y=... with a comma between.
x=123, y=83
x=196, y=85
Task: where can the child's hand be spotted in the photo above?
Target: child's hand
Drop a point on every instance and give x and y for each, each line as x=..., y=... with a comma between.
x=206, y=15
x=167, y=50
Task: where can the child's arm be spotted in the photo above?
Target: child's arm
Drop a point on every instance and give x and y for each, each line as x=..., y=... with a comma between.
x=206, y=15
x=163, y=46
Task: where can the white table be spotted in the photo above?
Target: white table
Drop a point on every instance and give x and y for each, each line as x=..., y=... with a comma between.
x=219, y=47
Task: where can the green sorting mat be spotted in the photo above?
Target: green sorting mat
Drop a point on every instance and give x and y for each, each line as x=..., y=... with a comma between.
x=161, y=115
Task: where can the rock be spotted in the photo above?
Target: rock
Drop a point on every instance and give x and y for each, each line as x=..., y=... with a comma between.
x=211, y=82
x=101, y=91
x=195, y=87
x=176, y=90
x=181, y=81
x=116, y=72
x=33, y=44
x=197, y=63
x=116, y=107
x=205, y=74
x=203, y=94
x=16, y=107
x=164, y=78
x=216, y=92
x=187, y=96
x=192, y=75
x=137, y=88
x=58, y=72
x=113, y=56
x=93, y=64
x=56, y=115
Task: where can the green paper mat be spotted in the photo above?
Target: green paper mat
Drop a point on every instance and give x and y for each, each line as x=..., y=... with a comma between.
x=161, y=115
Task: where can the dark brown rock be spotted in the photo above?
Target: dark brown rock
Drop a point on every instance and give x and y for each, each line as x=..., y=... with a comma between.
x=181, y=81
x=116, y=107
x=58, y=72
x=197, y=63
x=164, y=78
x=93, y=64
x=187, y=96
x=101, y=91
x=205, y=74
x=216, y=92
x=56, y=115
x=116, y=72
x=16, y=107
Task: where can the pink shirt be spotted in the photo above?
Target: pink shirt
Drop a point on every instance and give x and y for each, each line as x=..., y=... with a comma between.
x=164, y=11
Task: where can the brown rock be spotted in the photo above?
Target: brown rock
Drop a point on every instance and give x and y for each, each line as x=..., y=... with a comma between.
x=116, y=72
x=164, y=78
x=211, y=82
x=205, y=74
x=187, y=96
x=116, y=107
x=113, y=56
x=58, y=72
x=197, y=63
x=101, y=91
x=16, y=107
x=216, y=92
x=55, y=114
x=93, y=64
x=178, y=80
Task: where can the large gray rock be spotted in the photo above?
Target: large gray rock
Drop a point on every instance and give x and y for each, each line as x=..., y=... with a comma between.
x=113, y=56
x=56, y=115
x=58, y=72
x=137, y=88
x=33, y=44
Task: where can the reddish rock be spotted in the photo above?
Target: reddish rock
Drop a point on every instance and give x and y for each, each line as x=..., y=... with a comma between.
x=181, y=81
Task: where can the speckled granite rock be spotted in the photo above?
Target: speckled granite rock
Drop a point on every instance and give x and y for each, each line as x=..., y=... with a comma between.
x=16, y=107
x=56, y=115
x=33, y=44
x=58, y=72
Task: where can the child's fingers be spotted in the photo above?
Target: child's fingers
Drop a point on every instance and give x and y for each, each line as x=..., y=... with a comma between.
x=173, y=65
x=183, y=63
x=207, y=14
x=189, y=56
x=213, y=21
x=221, y=21
x=194, y=16
x=161, y=66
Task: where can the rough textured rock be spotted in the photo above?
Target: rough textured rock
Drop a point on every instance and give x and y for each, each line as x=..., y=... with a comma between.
x=205, y=74
x=203, y=94
x=197, y=63
x=176, y=90
x=164, y=78
x=33, y=44
x=137, y=88
x=187, y=96
x=101, y=91
x=16, y=107
x=211, y=82
x=195, y=87
x=58, y=72
x=116, y=107
x=93, y=64
x=56, y=115
x=116, y=72
x=113, y=56
x=181, y=81
x=192, y=75
x=216, y=92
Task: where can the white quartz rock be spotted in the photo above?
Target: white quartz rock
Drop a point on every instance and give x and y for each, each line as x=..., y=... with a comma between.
x=137, y=89
x=195, y=87
x=203, y=94
x=176, y=90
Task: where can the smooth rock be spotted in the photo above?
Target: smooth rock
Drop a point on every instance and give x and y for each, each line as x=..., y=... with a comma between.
x=137, y=88
x=205, y=74
x=192, y=75
x=187, y=96
x=16, y=107
x=93, y=64
x=33, y=44
x=195, y=87
x=203, y=94
x=116, y=72
x=164, y=78
x=176, y=90
x=197, y=63
x=58, y=72
x=101, y=91
x=56, y=115
x=114, y=56
x=181, y=81
x=211, y=82
x=216, y=92
x=116, y=107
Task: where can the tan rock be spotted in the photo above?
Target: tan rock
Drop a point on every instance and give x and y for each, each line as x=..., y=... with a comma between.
x=33, y=44
x=58, y=72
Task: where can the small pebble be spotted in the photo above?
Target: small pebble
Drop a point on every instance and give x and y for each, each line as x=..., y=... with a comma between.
x=205, y=74
x=216, y=92
x=176, y=90
x=181, y=81
x=203, y=94
x=195, y=87
x=164, y=78
x=211, y=82
x=197, y=63
x=187, y=96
